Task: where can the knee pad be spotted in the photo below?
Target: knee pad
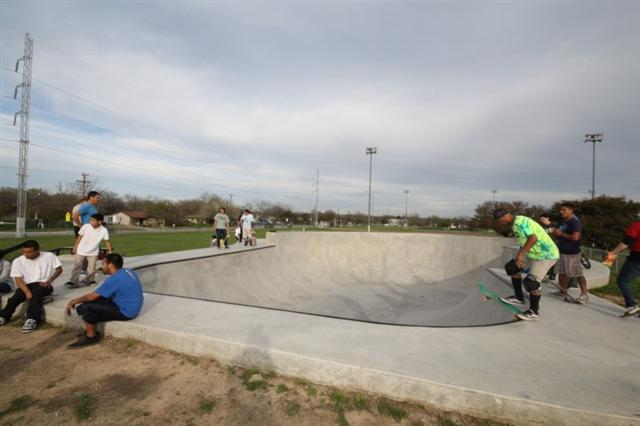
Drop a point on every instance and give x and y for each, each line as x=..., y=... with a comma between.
x=511, y=268
x=530, y=283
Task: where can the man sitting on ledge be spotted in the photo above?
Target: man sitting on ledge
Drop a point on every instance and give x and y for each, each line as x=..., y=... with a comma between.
x=119, y=298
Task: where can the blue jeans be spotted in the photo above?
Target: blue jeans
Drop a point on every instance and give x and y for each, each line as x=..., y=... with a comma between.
x=630, y=271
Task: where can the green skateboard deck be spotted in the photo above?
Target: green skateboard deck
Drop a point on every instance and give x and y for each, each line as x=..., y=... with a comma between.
x=489, y=294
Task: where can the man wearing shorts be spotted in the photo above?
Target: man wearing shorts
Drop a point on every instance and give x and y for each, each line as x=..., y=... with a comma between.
x=247, y=220
x=221, y=227
x=541, y=254
x=568, y=235
x=119, y=298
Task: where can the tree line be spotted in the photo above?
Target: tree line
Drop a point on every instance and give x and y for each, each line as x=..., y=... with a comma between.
x=604, y=218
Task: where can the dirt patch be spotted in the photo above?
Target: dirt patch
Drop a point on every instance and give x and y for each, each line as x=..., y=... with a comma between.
x=122, y=381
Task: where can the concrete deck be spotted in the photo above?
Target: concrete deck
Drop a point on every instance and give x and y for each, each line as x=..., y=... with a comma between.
x=578, y=365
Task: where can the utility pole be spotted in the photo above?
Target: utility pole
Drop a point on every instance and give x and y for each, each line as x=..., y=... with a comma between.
x=231, y=199
x=25, y=108
x=316, y=193
x=85, y=183
x=371, y=151
x=406, y=207
x=593, y=138
x=493, y=193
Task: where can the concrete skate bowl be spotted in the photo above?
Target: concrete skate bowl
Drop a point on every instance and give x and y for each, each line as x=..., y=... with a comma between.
x=425, y=280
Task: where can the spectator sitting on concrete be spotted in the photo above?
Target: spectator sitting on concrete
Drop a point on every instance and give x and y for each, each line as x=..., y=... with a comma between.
x=34, y=273
x=119, y=298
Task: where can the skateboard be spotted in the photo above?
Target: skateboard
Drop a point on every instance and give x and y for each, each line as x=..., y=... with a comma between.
x=489, y=294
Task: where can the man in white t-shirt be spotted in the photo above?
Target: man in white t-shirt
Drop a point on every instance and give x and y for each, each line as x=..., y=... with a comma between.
x=87, y=246
x=34, y=273
x=247, y=220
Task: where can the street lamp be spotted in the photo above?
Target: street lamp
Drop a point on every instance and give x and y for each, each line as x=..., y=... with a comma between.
x=406, y=207
x=371, y=150
x=493, y=193
x=593, y=138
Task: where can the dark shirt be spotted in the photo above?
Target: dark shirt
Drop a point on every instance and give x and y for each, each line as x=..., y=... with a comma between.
x=632, y=239
x=569, y=227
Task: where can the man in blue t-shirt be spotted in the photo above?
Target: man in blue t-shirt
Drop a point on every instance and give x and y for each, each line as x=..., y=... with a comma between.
x=119, y=298
x=568, y=235
x=88, y=208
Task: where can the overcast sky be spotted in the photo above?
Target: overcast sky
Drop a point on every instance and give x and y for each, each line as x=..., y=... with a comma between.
x=175, y=99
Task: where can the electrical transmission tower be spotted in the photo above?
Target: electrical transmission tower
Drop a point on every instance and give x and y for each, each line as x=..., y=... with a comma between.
x=25, y=107
x=85, y=183
x=316, y=193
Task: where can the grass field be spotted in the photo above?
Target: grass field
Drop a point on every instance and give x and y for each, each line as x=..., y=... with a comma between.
x=133, y=244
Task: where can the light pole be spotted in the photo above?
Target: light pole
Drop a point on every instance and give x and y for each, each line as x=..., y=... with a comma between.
x=493, y=193
x=593, y=138
x=406, y=207
x=371, y=150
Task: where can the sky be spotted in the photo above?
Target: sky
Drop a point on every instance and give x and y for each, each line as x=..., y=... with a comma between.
x=177, y=99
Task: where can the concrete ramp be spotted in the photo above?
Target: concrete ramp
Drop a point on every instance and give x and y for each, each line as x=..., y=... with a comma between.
x=400, y=279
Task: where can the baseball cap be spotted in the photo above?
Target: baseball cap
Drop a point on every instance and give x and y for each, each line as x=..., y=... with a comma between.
x=498, y=213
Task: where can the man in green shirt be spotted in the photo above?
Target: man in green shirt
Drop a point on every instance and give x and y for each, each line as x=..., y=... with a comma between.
x=537, y=249
x=221, y=227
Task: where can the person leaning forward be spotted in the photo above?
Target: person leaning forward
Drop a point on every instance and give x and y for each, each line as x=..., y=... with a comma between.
x=540, y=252
x=34, y=273
x=119, y=298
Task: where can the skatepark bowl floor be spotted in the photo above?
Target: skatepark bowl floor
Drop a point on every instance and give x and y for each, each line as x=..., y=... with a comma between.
x=396, y=314
x=406, y=280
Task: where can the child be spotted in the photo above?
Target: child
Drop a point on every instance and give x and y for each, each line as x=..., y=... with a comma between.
x=238, y=232
x=87, y=246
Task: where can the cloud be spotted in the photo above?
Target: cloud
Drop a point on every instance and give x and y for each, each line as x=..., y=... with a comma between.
x=251, y=99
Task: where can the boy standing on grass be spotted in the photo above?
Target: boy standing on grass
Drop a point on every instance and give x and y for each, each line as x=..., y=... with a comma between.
x=87, y=246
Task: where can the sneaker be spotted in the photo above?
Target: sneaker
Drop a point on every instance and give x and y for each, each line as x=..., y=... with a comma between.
x=632, y=311
x=92, y=282
x=528, y=315
x=582, y=299
x=2, y=321
x=512, y=300
x=29, y=325
x=84, y=341
x=71, y=285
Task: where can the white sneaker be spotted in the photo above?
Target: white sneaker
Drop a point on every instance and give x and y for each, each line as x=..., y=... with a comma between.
x=29, y=325
x=512, y=300
x=582, y=299
x=528, y=315
x=632, y=311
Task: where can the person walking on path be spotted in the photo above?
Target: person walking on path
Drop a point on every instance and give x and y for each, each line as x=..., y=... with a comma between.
x=239, y=223
x=630, y=269
x=541, y=253
x=119, y=298
x=567, y=236
x=34, y=273
x=221, y=227
x=87, y=247
x=247, y=220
